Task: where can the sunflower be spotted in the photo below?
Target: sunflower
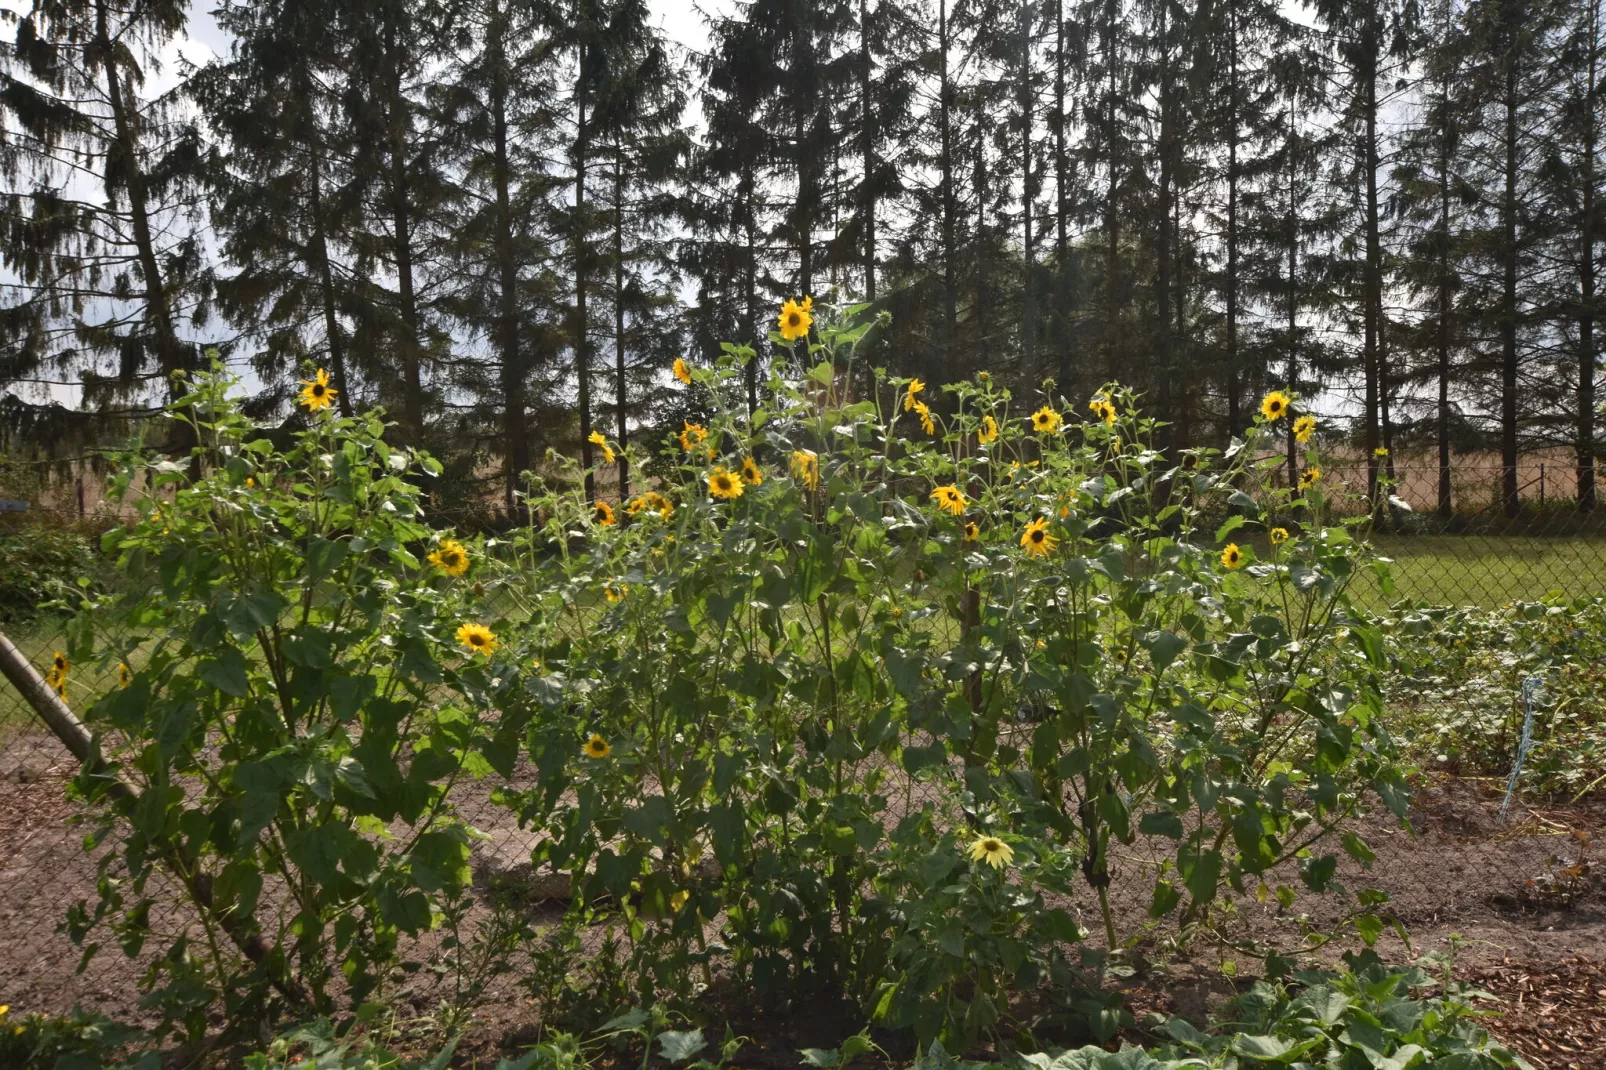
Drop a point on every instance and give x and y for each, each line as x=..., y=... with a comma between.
x=752, y=475
x=724, y=484
x=1309, y=477
x=316, y=392
x=682, y=372
x=1036, y=540
x=1304, y=428
x=1274, y=406
x=915, y=387
x=596, y=747
x=988, y=432
x=1102, y=408
x=806, y=468
x=616, y=594
x=972, y=532
x=983, y=377
x=659, y=504
x=635, y=505
x=926, y=423
x=795, y=319
x=692, y=435
x=992, y=850
x=1046, y=421
x=602, y=513
x=1279, y=536
x=450, y=558
x=59, y=664
x=478, y=638
x=124, y=675
x=949, y=499
x=1380, y=452
x=1231, y=556
x=596, y=439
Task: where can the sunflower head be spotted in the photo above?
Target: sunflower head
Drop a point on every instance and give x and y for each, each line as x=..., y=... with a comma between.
x=616, y=594
x=991, y=850
x=806, y=468
x=659, y=504
x=316, y=393
x=1309, y=477
x=949, y=499
x=59, y=664
x=1232, y=556
x=635, y=505
x=1046, y=421
x=752, y=475
x=682, y=372
x=1036, y=540
x=988, y=432
x=602, y=513
x=915, y=386
x=1304, y=428
x=596, y=747
x=450, y=558
x=125, y=676
x=1274, y=406
x=1102, y=408
x=795, y=319
x=972, y=532
x=477, y=638
x=692, y=435
x=926, y=423
x=1380, y=452
x=596, y=439
x=1278, y=536
x=725, y=484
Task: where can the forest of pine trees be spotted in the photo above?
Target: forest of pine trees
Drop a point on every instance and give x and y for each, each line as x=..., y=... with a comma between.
x=502, y=220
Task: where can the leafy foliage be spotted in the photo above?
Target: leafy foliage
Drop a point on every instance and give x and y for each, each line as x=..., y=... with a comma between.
x=43, y=563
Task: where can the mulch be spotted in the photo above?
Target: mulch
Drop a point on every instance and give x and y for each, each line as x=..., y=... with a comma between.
x=1552, y=1013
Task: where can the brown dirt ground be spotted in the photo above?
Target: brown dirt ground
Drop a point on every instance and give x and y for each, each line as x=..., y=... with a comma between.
x=1532, y=935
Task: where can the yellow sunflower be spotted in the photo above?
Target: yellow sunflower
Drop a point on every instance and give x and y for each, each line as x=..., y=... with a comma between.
x=806, y=468
x=1304, y=428
x=450, y=557
x=1380, y=452
x=752, y=475
x=1309, y=477
x=1278, y=536
x=316, y=392
x=983, y=377
x=926, y=423
x=659, y=504
x=596, y=439
x=477, y=638
x=616, y=594
x=949, y=499
x=682, y=372
x=635, y=505
x=725, y=484
x=915, y=386
x=795, y=319
x=1274, y=406
x=1046, y=421
x=993, y=851
x=1231, y=556
x=602, y=513
x=692, y=435
x=1036, y=540
x=1102, y=408
x=972, y=532
x=596, y=747
x=988, y=432
x=124, y=675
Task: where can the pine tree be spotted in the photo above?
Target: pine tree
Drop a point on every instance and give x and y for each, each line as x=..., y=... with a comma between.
x=107, y=270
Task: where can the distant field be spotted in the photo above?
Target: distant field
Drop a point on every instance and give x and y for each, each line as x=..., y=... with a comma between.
x=1487, y=570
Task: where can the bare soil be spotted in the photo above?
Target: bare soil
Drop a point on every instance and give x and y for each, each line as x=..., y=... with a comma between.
x=1520, y=895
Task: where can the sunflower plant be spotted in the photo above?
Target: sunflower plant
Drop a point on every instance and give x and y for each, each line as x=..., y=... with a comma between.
x=876, y=623
x=302, y=671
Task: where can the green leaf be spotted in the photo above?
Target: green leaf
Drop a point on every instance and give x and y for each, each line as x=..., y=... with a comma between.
x=680, y=1045
x=226, y=672
x=1164, y=648
x=1232, y=524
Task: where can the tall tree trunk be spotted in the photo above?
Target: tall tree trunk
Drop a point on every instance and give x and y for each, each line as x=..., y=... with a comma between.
x=1062, y=205
x=1028, y=309
x=1442, y=342
x=1372, y=285
x=123, y=162
x=579, y=328
x=1112, y=218
x=514, y=418
x=1586, y=277
x=1510, y=493
x=950, y=208
x=867, y=132
x=980, y=180
x=1292, y=224
x=1234, y=413
x=621, y=387
x=409, y=347
x=746, y=193
x=320, y=248
x=1162, y=251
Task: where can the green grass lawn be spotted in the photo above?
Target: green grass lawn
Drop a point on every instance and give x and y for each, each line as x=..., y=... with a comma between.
x=1488, y=570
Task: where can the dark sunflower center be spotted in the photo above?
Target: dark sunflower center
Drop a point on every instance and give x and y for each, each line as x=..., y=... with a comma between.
x=317, y=390
x=477, y=640
x=990, y=845
x=793, y=320
x=1037, y=536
